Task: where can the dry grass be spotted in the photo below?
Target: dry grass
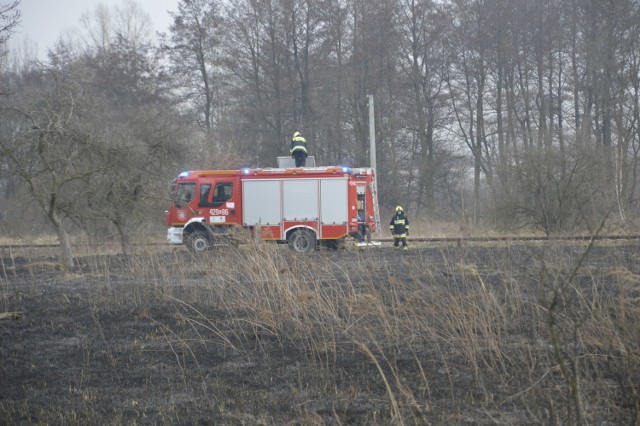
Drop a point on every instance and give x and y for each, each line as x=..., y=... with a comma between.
x=469, y=335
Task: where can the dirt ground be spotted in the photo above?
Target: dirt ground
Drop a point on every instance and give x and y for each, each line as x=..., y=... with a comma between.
x=158, y=338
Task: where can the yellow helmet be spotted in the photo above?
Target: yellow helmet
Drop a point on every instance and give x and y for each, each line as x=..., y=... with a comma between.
x=296, y=134
x=399, y=209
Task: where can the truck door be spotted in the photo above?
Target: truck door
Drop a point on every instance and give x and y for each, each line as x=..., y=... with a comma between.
x=361, y=202
x=363, y=211
x=218, y=199
x=184, y=201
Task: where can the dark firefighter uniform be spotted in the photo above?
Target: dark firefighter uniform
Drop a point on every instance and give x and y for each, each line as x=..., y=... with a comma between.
x=399, y=227
x=298, y=149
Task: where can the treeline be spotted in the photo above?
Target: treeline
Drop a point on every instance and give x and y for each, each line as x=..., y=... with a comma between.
x=511, y=112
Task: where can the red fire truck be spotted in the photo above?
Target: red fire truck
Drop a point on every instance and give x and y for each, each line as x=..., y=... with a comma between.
x=305, y=207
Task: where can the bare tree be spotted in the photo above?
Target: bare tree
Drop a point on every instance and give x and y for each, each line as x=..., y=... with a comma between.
x=424, y=59
x=49, y=152
x=139, y=136
x=192, y=47
x=132, y=23
x=468, y=87
x=103, y=25
x=92, y=137
x=330, y=97
x=9, y=19
x=97, y=28
x=259, y=57
x=557, y=193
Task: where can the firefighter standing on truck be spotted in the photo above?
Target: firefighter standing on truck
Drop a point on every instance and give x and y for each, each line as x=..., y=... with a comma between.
x=399, y=227
x=298, y=149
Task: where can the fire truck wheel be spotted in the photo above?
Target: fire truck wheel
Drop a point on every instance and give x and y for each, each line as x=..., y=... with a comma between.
x=198, y=241
x=302, y=240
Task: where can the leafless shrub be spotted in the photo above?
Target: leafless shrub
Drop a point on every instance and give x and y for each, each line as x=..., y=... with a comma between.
x=554, y=193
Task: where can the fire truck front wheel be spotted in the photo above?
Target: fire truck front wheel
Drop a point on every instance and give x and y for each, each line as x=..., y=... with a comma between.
x=198, y=241
x=302, y=240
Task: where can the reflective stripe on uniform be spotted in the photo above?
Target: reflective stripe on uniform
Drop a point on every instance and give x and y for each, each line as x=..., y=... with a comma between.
x=299, y=144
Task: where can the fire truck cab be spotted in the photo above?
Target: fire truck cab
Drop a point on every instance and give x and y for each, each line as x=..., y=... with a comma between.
x=304, y=207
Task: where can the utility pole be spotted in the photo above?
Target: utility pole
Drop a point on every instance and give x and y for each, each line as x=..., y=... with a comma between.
x=372, y=161
x=372, y=134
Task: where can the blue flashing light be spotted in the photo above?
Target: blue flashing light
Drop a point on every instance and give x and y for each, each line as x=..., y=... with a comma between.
x=246, y=171
x=346, y=170
x=184, y=174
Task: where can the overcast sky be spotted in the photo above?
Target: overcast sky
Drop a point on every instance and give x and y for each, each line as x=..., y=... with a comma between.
x=44, y=20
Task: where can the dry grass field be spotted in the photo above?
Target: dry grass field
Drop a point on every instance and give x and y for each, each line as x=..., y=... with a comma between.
x=500, y=334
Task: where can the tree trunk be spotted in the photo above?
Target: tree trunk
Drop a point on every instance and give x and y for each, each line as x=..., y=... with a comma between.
x=123, y=233
x=63, y=237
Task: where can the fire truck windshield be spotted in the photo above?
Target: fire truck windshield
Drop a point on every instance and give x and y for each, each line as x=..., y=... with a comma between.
x=185, y=193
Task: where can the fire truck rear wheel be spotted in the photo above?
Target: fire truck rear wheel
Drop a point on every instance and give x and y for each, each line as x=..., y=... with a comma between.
x=198, y=241
x=302, y=240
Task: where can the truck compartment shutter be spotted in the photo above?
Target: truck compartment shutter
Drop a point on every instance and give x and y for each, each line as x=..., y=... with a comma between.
x=300, y=199
x=261, y=202
x=334, y=201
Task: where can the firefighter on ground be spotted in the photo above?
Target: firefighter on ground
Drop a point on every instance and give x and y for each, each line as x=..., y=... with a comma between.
x=298, y=149
x=399, y=227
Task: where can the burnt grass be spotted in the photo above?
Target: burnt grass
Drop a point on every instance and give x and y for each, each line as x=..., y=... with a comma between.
x=503, y=334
